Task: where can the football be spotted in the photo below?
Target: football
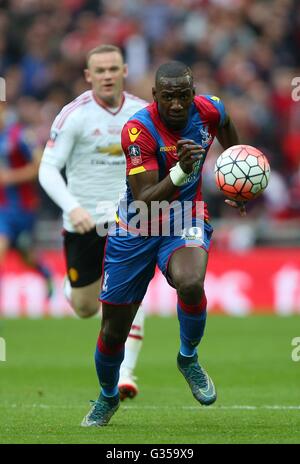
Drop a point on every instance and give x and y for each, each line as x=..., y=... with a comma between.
x=242, y=172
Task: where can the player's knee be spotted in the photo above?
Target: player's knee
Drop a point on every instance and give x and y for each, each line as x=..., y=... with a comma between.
x=85, y=313
x=85, y=309
x=113, y=339
x=191, y=287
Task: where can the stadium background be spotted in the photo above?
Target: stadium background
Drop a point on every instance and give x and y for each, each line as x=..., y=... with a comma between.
x=247, y=52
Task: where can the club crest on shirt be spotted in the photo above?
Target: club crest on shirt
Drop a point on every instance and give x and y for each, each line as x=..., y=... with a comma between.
x=134, y=152
x=73, y=274
x=96, y=132
x=52, y=138
x=206, y=137
x=133, y=134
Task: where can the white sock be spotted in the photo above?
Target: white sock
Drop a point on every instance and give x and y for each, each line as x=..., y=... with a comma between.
x=134, y=343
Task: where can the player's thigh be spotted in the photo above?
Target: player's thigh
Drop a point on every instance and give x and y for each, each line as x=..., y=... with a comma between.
x=184, y=258
x=128, y=268
x=87, y=295
x=84, y=256
x=187, y=264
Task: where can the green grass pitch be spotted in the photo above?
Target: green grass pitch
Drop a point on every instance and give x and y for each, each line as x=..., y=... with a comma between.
x=49, y=377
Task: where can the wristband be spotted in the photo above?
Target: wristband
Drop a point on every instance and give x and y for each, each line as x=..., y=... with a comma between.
x=178, y=176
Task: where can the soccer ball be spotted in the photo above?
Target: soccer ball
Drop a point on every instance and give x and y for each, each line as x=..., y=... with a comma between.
x=242, y=172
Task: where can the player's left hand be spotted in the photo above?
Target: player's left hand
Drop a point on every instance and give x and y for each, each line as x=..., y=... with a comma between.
x=237, y=204
x=188, y=153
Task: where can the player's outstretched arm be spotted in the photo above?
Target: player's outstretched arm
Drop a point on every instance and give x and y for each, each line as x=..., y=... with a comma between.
x=227, y=134
x=23, y=174
x=19, y=176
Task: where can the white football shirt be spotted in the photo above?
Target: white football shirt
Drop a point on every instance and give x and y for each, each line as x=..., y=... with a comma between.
x=86, y=139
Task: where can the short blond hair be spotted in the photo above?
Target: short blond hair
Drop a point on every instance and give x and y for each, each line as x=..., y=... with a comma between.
x=104, y=48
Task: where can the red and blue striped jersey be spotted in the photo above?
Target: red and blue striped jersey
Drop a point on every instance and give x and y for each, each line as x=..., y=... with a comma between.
x=16, y=151
x=149, y=145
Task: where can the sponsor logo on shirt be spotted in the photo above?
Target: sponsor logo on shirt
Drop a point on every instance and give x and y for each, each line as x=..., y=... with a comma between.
x=133, y=134
x=134, y=152
x=96, y=132
x=192, y=233
x=114, y=149
x=171, y=148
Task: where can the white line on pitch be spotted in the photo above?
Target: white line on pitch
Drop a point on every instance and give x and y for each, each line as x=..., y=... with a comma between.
x=276, y=407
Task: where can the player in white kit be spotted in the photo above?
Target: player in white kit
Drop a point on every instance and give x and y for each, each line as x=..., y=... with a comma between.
x=85, y=139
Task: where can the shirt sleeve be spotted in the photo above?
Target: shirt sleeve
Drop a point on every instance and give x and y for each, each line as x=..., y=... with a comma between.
x=53, y=183
x=62, y=139
x=219, y=105
x=139, y=148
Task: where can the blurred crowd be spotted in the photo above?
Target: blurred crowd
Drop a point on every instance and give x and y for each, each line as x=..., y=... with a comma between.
x=246, y=52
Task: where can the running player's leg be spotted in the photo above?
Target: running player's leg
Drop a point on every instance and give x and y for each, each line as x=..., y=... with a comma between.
x=31, y=258
x=84, y=300
x=184, y=261
x=22, y=226
x=115, y=326
x=24, y=243
x=82, y=288
x=126, y=277
x=84, y=255
x=187, y=268
x=109, y=354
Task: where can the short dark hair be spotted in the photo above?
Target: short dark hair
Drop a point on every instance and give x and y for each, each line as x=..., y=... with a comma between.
x=172, y=69
x=104, y=48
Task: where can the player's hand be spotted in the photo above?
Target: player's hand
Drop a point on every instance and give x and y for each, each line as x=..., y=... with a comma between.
x=81, y=220
x=237, y=204
x=188, y=152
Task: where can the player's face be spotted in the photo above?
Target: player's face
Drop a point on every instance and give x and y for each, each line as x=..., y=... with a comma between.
x=106, y=73
x=174, y=96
